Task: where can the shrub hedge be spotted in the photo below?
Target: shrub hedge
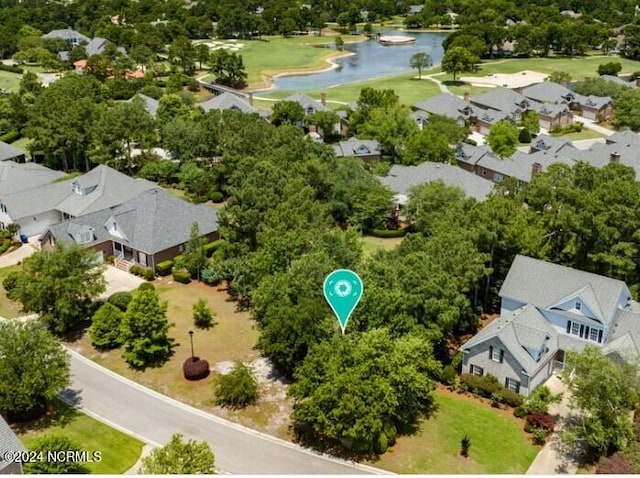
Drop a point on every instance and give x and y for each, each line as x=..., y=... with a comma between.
x=195, y=368
x=540, y=420
x=12, y=68
x=213, y=246
x=181, y=275
x=120, y=299
x=384, y=234
x=164, y=268
x=10, y=136
x=487, y=386
x=146, y=286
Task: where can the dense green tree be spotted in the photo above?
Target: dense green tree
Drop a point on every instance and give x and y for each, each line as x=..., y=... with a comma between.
x=627, y=110
x=605, y=390
x=180, y=458
x=194, y=257
x=172, y=107
x=503, y=139
x=54, y=444
x=391, y=126
x=531, y=121
x=238, y=388
x=228, y=68
x=106, y=325
x=202, y=54
x=611, y=68
x=420, y=61
x=427, y=145
x=58, y=285
x=457, y=60
x=287, y=112
x=353, y=388
x=34, y=367
x=369, y=99
x=182, y=53
x=325, y=120
x=202, y=314
x=145, y=330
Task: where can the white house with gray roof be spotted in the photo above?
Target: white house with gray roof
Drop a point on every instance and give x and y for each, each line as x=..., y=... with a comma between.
x=149, y=228
x=73, y=37
x=35, y=204
x=9, y=443
x=401, y=179
x=546, y=310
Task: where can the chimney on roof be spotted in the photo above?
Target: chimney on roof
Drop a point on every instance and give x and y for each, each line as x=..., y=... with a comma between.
x=466, y=96
x=535, y=169
x=323, y=99
x=614, y=157
x=250, y=98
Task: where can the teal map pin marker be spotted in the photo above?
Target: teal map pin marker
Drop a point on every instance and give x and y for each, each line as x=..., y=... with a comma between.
x=343, y=289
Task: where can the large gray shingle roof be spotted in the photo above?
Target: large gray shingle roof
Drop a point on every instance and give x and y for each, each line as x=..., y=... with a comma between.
x=8, y=442
x=501, y=99
x=150, y=104
x=152, y=221
x=9, y=152
x=356, y=147
x=228, y=101
x=16, y=177
x=68, y=34
x=544, y=284
x=445, y=104
x=307, y=102
x=402, y=178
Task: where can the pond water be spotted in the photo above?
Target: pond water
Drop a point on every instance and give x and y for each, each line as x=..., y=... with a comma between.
x=371, y=60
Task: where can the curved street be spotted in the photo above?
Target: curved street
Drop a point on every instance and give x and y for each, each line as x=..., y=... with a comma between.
x=153, y=418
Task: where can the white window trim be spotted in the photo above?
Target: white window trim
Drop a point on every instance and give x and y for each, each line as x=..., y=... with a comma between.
x=495, y=354
x=513, y=384
x=575, y=329
x=593, y=334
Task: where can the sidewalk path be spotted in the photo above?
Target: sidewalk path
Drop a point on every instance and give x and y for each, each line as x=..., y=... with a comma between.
x=12, y=258
x=592, y=125
x=552, y=458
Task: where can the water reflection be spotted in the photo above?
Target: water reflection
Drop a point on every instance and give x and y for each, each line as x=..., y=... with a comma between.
x=371, y=60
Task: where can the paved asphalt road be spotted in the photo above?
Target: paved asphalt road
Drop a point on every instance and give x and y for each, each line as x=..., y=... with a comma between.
x=153, y=417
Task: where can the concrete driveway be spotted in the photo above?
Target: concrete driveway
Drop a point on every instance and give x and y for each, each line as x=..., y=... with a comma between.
x=554, y=458
x=119, y=280
x=14, y=257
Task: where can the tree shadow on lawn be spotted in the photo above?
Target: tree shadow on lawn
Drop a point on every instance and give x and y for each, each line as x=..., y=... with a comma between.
x=58, y=414
x=455, y=83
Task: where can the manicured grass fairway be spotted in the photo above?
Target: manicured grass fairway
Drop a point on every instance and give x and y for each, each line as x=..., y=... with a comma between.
x=273, y=55
x=408, y=89
x=498, y=444
x=119, y=451
x=8, y=308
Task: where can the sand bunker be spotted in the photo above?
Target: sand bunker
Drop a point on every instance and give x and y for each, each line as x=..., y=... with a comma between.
x=507, y=80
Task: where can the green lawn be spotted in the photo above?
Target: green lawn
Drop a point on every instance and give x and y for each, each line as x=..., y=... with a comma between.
x=578, y=68
x=9, y=81
x=119, y=451
x=22, y=143
x=372, y=244
x=8, y=308
x=272, y=55
x=498, y=445
x=408, y=89
x=586, y=133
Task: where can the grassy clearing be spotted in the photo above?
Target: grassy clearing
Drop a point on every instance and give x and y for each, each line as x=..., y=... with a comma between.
x=8, y=308
x=498, y=444
x=460, y=88
x=9, y=81
x=23, y=143
x=586, y=133
x=407, y=87
x=372, y=244
x=119, y=451
x=270, y=56
x=578, y=68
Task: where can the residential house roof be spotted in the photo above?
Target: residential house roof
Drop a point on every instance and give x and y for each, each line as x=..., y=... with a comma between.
x=525, y=333
x=600, y=154
x=550, y=110
x=414, y=9
x=9, y=152
x=152, y=221
x=501, y=99
x=356, y=147
x=16, y=177
x=551, y=144
x=545, y=285
x=402, y=178
x=100, y=188
x=446, y=104
x=550, y=92
x=308, y=104
x=470, y=154
x=624, y=137
x=228, y=101
x=8, y=442
x=97, y=45
x=68, y=34
x=619, y=81
x=150, y=104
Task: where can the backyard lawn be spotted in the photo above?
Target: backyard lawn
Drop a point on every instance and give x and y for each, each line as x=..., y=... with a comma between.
x=119, y=451
x=8, y=308
x=372, y=244
x=9, y=81
x=498, y=444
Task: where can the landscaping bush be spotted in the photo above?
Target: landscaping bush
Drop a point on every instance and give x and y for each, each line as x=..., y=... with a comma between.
x=120, y=300
x=148, y=274
x=524, y=136
x=212, y=274
x=384, y=234
x=105, y=327
x=381, y=444
x=146, y=286
x=5, y=244
x=195, y=369
x=540, y=420
x=12, y=68
x=211, y=247
x=540, y=399
x=135, y=270
x=614, y=465
x=511, y=398
x=202, y=314
x=55, y=443
x=496, y=399
x=539, y=435
x=238, y=388
x=181, y=275
x=391, y=432
x=612, y=68
x=216, y=196
x=10, y=282
x=164, y=268
x=485, y=386
x=448, y=376
x=520, y=412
